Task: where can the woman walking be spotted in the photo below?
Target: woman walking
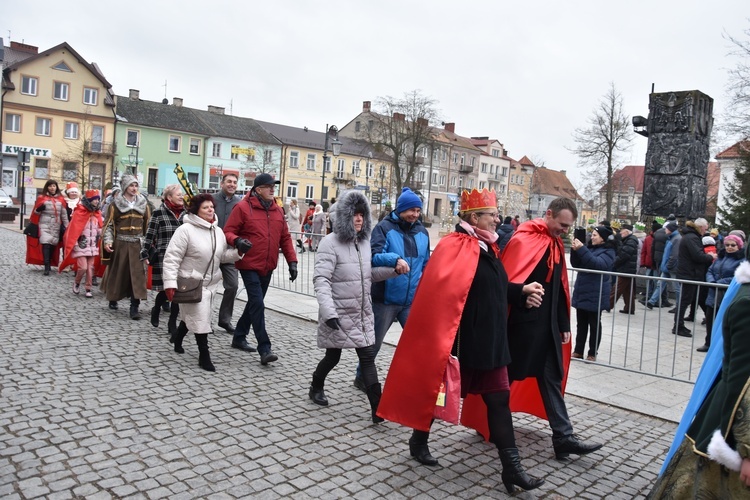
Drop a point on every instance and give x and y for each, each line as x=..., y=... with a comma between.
x=51, y=210
x=591, y=292
x=196, y=250
x=161, y=227
x=82, y=241
x=342, y=282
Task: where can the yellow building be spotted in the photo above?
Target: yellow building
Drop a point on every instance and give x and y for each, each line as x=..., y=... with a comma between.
x=58, y=107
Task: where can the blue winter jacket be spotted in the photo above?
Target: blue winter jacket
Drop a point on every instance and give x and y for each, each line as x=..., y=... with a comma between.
x=591, y=292
x=722, y=271
x=394, y=239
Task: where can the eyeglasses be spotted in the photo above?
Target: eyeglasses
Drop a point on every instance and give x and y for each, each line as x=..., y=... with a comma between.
x=730, y=245
x=493, y=215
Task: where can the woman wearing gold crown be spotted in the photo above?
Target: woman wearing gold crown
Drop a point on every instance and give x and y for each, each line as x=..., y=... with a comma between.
x=461, y=310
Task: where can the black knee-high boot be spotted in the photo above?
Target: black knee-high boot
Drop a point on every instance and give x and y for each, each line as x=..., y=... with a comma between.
x=160, y=299
x=301, y=246
x=47, y=256
x=317, y=394
x=174, y=310
x=373, y=395
x=177, y=337
x=418, y=447
x=204, y=358
x=134, y=312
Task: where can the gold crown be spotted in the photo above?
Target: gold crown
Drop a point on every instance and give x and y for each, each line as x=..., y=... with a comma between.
x=478, y=200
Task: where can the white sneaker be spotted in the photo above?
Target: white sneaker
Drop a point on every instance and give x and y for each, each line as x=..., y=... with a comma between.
x=89, y=294
x=76, y=288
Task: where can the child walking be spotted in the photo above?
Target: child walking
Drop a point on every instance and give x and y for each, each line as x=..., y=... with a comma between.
x=81, y=241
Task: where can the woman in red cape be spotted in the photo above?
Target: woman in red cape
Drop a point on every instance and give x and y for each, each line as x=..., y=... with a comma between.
x=50, y=218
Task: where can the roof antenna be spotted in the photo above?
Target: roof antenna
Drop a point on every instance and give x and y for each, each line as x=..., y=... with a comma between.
x=230, y=106
x=165, y=89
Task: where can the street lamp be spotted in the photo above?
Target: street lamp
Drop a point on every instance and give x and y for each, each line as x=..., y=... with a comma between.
x=367, y=176
x=336, y=146
x=133, y=158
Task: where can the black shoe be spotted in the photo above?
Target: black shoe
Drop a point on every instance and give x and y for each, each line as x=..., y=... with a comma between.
x=649, y=305
x=691, y=320
x=421, y=453
x=666, y=303
x=671, y=311
x=134, y=313
x=226, y=326
x=703, y=348
x=626, y=312
x=318, y=396
x=242, y=345
x=683, y=332
x=94, y=281
x=113, y=305
x=571, y=444
x=155, y=316
x=703, y=321
x=268, y=357
x=360, y=384
x=643, y=301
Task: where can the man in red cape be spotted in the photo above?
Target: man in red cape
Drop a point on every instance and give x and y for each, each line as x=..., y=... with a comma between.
x=539, y=340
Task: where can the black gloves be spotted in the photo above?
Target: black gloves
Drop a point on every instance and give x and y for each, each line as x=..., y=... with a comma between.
x=242, y=245
x=292, y=271
x=40, y=208
x=333, y=323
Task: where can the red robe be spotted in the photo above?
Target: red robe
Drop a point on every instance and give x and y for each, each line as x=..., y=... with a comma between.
x=418, y=365
x=33, y=247
x=78, y=221
x=520, y=256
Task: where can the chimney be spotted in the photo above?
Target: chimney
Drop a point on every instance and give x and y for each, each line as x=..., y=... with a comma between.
x=177, y=102
x=216, y=109
x=134, y=94
x=422, y=122
x=366, y=106
x=450, y=127
x=23, y=47
x=399, y=117
x=563, y=171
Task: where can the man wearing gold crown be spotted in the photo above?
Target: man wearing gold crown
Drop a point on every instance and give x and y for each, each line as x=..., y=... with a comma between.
x=540, y=341
x=461, y=308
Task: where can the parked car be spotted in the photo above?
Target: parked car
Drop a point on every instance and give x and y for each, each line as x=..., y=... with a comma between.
x=5, y=199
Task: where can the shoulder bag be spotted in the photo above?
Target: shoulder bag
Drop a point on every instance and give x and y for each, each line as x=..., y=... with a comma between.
x=190, y=290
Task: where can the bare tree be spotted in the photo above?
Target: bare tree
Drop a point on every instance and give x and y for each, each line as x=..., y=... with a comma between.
x=261, y=159
x=74, y=162
x=599, y=145
x=398, y=128
x=737, y=114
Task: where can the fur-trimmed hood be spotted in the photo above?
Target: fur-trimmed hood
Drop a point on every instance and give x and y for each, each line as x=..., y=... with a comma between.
x=343, y=222
x=743, y=273
x=123, y=206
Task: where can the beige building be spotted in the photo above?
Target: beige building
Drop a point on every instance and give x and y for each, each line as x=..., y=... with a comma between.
x=59, y=108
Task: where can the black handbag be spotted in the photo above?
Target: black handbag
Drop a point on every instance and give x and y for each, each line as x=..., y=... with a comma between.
x=32, y=230
x=190, y=290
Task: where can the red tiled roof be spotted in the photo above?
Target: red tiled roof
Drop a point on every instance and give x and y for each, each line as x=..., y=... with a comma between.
x=627, y=177
x=552, y=182
x=734, y=151
x=526, y=162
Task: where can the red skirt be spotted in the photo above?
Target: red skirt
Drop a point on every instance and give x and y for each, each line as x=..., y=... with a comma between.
x=484, y=381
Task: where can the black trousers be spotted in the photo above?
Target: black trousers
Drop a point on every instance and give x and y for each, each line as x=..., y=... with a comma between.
x=588, y=321
x=687, y=297
x=366, y=357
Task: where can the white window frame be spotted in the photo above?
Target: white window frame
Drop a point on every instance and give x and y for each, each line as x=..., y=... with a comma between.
x=422, y=175
x=234, y=156
x=442, y=180
x=311, y=160
x=355, y=168
x=291, y=190
x=71, y=130
x=61, y=91
x=268, y=156
x=434, y=178
x=293, y=159
x=41, y=172
x=12, y=122
x=29, y=85
x=309, y=192
x=369, y=169
x=327, y=165
x=137, y=140
x=194, y=141
x=216, y=150
x=340, y=168
x=43, y=121
x=90, y=96
x=484, y=168
x=179, y=143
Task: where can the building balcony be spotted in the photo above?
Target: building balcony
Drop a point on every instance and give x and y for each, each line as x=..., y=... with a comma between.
x=466, y=169
x=100, y=148
x=342, y=177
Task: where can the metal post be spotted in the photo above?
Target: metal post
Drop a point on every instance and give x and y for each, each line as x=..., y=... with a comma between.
x=325, y=158
x=23, y=167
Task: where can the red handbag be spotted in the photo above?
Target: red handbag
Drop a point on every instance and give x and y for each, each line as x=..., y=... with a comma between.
x=448, y=404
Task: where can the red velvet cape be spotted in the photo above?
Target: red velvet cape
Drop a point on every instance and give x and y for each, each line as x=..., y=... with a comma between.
x=520, y=256
x=418, y=365
x=33, y=247
x=80, y=218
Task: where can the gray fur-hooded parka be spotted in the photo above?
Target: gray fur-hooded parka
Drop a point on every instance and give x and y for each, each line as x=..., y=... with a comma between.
x=343, y=275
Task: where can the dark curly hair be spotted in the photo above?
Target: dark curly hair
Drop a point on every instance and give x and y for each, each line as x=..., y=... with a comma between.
x=197, y=201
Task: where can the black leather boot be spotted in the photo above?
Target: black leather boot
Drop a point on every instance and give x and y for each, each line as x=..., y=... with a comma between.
x=571, y=444
x=204, y=358
x=513, y=473
x=418, y=448
x=316, y=391
x=177, y=337
x=47, y=255
x=155, y=316
x=134, y=312
x=373, y=395
x=172, y=323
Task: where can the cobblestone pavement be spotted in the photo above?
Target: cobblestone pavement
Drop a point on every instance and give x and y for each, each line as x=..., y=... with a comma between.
x=95, y=405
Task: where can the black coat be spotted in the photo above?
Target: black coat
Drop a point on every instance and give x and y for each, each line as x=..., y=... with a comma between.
x=692, y=262
x=627, y=256
x=658, y=246
x=482, y=339
x=504, y=231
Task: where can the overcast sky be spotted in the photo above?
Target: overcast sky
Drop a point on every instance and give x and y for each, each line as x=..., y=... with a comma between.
x=526, y=73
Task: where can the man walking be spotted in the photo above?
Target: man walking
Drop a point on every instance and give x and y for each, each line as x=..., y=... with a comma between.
x=399, y=241
x=539, y=339
x=659, y=297
x=224, y=201
x=626, y=262
x=256, y=227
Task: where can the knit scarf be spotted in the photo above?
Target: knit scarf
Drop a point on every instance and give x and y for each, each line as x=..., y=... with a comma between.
x=266, y=203
x=489, y=238
x=176, y=209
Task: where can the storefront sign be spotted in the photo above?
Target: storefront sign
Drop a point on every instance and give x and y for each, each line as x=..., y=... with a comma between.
x=10, y=149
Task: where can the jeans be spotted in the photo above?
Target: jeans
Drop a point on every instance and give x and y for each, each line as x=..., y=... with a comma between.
x=229, y=275
x=385, y=314
x=254, y=314
x=662, y=289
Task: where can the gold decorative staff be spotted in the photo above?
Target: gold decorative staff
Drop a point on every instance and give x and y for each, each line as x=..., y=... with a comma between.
x=187, y=186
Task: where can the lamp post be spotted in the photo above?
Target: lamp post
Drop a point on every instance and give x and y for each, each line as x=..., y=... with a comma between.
x=133, y=159
x=367, y=176
x=336, y=149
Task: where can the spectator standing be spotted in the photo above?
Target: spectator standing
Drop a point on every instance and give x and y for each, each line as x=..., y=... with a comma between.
x=81, y=241
x=505, y=231
x=318, y=226
x=256, y=227
x=591, y=292
x=224, y=202
x=399, y=241
x=161, y=227
x=294, y=223
x=668, y=267
x=515, y=222
x=658, y=245
x=625, y=262
x=647, y=259
x=51, y=216
x=125, y=227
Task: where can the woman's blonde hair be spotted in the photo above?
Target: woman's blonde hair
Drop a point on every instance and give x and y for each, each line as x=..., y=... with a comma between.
x=168, y=190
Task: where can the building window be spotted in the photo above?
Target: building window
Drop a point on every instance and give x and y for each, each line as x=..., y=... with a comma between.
x=496, y=153
x=61, y=91
x=455, y=158
x=327, y=165
x=484, y=168
x=174, y=143
x=355, y=167
x=268, y=157
x=445, y=155
x=90, y=96
x=453, y=181
x=369, y=169
x=43, y=126
x=41, y=168
x=294, y=159
x=471, y=161
x=357, y=126
x=422, y=175
x=471, y=183
x=216, y=150
x=505, y=172
x=434, y=178
x=70, y=171
x=71, y=130
x=309, y=192
x=133, y=138
x=482, y=185
x=291, y=190
x=442, y=180
x=195, y=146
x=311, y=161
x=12, y=122
x=28, y=87
x=463, y=159
x=340, y=169
x=232, y=154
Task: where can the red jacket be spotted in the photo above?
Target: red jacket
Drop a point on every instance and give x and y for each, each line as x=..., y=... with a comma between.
x=266, y=230
x=647, y=259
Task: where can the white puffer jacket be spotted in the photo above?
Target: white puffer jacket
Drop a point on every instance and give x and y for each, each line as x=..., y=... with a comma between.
x=196, y=245
x=343, y=276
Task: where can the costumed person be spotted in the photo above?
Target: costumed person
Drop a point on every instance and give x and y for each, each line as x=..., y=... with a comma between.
x=161, y=227
x=196, y=250
x=591, y=293
x=710, y=455
x=125, y=226
x=81, y=241
x=342, y=279
x=50, y=216
x=72, y=197
x=461, y=310
x=308, y=224
x=539, y=339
